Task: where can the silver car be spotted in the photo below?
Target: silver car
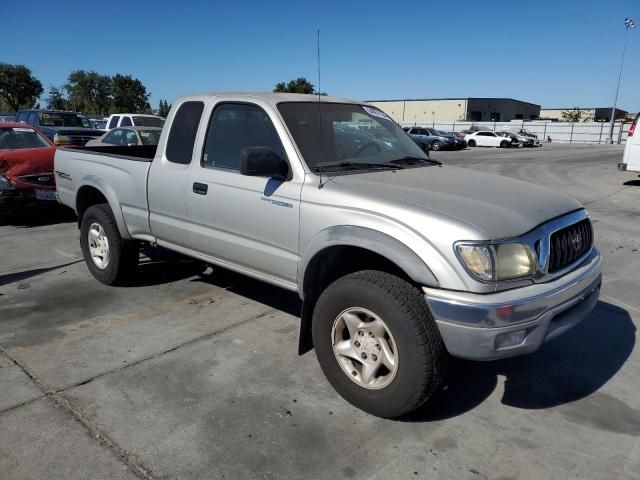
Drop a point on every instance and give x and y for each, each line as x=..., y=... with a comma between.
x=127, y=136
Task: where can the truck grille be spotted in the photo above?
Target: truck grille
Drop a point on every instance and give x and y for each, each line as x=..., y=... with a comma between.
x=569, y=244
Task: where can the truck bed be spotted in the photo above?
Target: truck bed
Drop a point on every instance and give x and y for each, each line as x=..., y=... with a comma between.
x=119, y=173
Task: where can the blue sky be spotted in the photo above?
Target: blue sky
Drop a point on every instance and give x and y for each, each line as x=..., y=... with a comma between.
x=560, y=53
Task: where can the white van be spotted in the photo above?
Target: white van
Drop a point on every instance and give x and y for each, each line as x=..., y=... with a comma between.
x=631, y=157
x=133, y=120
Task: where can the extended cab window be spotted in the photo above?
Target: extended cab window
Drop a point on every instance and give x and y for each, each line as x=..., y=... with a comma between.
x=113, y=123
x=234, y=126
x=183, y=132
x=126, y=122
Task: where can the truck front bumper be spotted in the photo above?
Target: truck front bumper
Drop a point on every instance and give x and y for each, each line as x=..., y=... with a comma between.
x=518, y=321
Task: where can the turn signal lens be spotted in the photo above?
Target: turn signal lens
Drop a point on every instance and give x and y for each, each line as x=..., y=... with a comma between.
x=478, y=259
x=61, y=140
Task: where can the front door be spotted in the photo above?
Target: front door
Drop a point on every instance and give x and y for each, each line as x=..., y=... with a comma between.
x=248, y=222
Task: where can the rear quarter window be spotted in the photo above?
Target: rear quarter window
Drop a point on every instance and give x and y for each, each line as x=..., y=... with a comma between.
x=183, y=132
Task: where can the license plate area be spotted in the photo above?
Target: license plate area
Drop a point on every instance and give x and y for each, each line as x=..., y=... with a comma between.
x=46, y=195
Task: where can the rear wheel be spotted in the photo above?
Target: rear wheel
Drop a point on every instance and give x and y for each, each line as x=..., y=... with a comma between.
x=471, y=143
x=378, y=344
x=109, y=257
x=504, y=144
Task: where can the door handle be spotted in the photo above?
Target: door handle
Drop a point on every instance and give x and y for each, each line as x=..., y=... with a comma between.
x=200, y=188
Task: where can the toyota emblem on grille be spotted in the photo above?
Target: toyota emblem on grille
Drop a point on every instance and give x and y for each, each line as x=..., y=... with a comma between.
x=576, y=239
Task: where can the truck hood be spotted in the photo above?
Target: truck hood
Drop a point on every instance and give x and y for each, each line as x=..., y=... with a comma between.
x=498, y=206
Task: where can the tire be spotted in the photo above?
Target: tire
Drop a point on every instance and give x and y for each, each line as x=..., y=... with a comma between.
x=471, y=143
x=115, y=259
x=411, y=336
x=504, y=144
x=436, y=145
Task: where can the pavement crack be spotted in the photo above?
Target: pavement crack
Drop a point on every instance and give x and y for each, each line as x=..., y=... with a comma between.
x=131, y=461
x=187, y=343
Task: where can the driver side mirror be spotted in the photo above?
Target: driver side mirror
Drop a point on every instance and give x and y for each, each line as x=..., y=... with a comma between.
x=263, y=162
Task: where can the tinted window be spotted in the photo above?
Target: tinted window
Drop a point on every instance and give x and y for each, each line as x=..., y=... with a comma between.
x=233, y=127
x=60, y=119
x=31, y=119
x=114, y=137
x=22, y=117
x=140, y=121
x=183, y=132
x=113, y=123
x=131, y=137
x=126, y=122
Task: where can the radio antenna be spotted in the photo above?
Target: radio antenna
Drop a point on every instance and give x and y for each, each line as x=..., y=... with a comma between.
x=319, y=84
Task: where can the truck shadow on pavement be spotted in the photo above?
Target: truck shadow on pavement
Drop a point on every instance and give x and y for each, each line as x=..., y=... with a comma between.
x=38, y=216
x=569, y=368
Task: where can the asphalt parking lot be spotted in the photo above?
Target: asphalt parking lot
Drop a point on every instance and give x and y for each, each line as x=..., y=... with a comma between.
x=193, y=372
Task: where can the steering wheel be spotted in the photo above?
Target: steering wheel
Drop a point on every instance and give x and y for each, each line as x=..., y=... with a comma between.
x=365, y=146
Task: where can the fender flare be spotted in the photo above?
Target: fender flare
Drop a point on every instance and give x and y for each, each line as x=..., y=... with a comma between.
x=108, y=193
x=381, y=243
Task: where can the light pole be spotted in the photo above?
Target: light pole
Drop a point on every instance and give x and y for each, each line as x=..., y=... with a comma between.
x=628, y=23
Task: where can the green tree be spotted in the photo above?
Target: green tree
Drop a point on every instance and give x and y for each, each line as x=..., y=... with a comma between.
x=129, y=95
x=163, y=109
x=90, y=92
x=574, y=115
x=56, y=99
x=299, y=85
x=18, y=87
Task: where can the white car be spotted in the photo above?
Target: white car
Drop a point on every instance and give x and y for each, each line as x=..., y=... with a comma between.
x=486, y=139
x=133, y=120
x=631, y=157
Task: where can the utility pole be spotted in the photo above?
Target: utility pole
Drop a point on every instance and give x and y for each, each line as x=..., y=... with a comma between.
x=628, y=23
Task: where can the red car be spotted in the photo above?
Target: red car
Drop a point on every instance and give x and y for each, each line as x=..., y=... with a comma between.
x=26, y=166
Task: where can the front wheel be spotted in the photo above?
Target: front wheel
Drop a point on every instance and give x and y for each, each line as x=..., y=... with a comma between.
x=378, y=344
x=436, y=145
x=109, y=257
x=472, y=143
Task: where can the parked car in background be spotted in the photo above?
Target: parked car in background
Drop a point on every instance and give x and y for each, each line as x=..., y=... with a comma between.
x=526, y=133
x=517, y=140
x=631, y=156
x=133, y=120
x=128, y=136
x=61, y=127
x=487, y=139
x=434, y=142
x=7, y=117
x=26, y=166
x=458, y=143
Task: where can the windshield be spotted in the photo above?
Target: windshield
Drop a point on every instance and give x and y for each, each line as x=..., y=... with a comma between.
x=334, y=134
x=16, y=138
x=140, y=121
x=58, y=119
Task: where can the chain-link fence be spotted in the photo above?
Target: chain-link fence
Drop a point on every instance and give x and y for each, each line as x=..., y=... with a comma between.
x=561, y=132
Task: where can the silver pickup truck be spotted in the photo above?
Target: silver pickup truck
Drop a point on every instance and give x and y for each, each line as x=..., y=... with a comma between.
x=400, y=261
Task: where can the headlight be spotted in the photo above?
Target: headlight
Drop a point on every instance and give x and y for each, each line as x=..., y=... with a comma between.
x=5, y=184
x=61, y=139
x=493, y=262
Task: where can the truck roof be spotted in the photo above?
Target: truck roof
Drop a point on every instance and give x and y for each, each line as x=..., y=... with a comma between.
x=271, y=97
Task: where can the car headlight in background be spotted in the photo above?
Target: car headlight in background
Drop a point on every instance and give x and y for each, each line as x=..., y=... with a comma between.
x=494, y=262
x=5, y=184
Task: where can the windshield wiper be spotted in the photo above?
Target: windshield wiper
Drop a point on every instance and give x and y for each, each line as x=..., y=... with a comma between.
x=357, y=166
x=409, y=160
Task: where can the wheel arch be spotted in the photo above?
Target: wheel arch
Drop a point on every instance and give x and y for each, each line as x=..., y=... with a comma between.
x=340, y=250
x=95, y=191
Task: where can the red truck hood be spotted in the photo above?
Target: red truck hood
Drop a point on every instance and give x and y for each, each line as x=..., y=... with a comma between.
x=18, y=165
